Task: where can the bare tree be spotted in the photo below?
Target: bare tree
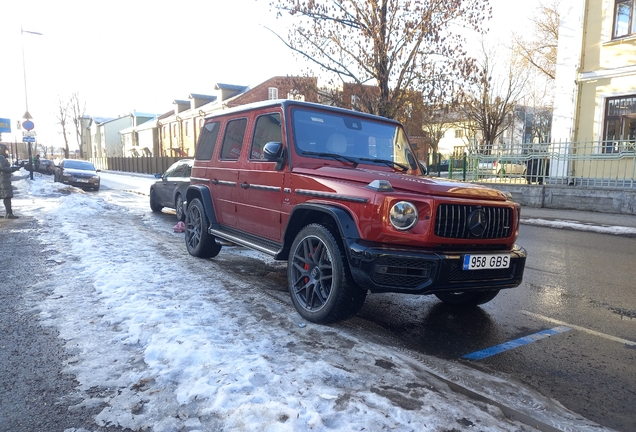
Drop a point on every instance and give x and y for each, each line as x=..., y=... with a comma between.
x=78, y=109
x=392, y=45
x=437, y=121
x=540, y=50
x=62, y=120
x=490, y=102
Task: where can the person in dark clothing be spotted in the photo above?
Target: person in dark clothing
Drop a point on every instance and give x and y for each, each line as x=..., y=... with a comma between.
x=36, y=162
x=6, y=191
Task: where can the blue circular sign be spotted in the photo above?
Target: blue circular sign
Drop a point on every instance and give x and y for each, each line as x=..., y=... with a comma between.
x=28, y=125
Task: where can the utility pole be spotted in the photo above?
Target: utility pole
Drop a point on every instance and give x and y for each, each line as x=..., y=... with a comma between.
x=28, y=124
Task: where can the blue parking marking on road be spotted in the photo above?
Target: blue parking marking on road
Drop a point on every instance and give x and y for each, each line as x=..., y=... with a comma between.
x=479, y=355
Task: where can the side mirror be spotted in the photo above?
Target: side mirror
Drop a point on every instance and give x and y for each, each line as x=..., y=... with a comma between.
x=274, y=152
x=158, y=175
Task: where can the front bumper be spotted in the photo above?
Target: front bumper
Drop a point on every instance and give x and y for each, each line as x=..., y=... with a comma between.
x=383, y=269
x=81, y=183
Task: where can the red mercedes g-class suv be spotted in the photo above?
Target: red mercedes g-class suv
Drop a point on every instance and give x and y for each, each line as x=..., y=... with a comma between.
x=339, y=194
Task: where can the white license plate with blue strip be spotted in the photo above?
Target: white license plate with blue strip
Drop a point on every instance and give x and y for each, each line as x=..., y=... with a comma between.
x=486, y=261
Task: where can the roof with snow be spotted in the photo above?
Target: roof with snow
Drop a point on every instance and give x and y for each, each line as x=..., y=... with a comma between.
x=202, y=96
x=221, y=86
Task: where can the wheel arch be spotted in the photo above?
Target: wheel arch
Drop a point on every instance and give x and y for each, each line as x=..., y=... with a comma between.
x=203, y=194
x=338, y=220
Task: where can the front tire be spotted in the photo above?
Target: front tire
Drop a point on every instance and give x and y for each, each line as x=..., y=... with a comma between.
x=198, y=241
x=320, y=286
x=178, y=205
x=467, y=298
x=154, y=206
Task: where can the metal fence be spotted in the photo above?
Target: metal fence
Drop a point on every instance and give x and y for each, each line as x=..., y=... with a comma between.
x=597, y=164
x=141, y=164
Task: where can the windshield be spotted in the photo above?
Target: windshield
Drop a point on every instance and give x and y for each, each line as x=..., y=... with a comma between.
x=322, y=134
x=79, y=165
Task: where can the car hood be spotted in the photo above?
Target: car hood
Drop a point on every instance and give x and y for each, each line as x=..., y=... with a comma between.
x=74, y=171
x=407, y=183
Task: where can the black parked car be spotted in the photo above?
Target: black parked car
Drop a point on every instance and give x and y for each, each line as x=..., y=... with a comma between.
x=78, y=173
x=170, y=190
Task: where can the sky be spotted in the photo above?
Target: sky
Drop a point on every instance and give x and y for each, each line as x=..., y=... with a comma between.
x=177, y=343
x=140, y=55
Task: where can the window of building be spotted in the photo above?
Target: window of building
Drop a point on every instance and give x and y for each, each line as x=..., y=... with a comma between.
x=620, y=124
x=233, y=139
x=267, y=129
x=355, y=102
x=624, y=19
x=294, y=95
x=187, y=128
x=207, y=141
x=459, y=133
x=272, y=93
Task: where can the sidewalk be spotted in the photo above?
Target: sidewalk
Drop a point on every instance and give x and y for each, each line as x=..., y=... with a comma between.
x=606, y=223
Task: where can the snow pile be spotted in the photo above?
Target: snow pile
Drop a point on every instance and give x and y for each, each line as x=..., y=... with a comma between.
x=163, y=341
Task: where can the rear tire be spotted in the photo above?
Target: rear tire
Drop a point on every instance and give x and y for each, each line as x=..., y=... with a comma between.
x=198, y=241
x=154, y=206
x=178, y=205
x=467, y=298
x=319, y=282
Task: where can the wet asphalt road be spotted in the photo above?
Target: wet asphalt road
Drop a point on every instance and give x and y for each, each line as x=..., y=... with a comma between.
x=583, y=281
x=35, y=395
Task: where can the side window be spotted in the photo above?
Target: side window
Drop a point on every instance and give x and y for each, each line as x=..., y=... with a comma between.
x=207, y=141
x=267, y=129
x=233, y=139
x=180, y=171
x=170, y=172
x=188, y=171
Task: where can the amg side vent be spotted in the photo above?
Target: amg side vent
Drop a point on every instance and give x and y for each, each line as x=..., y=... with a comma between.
x=470, y=222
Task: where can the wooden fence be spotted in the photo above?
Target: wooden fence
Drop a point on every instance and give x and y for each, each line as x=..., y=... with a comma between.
x=142, y=164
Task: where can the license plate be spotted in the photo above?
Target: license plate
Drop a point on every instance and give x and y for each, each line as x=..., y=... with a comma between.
x=486, y=261
x=82, y=181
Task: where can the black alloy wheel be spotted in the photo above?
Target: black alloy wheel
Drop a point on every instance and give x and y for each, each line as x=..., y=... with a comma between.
x=198, y=241
x=319, y=282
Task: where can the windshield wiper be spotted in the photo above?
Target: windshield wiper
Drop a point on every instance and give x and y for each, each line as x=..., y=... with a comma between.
x=390, y=163
x=332, y=155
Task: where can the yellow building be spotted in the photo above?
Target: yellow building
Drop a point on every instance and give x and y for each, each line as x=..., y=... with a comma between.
x=595, y=101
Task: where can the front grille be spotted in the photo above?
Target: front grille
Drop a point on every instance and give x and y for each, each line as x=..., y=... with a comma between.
x=401, y=272
x=451, y=221
x=458, y=274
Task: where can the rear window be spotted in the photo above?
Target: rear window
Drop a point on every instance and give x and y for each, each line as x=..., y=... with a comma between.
x=207, y=141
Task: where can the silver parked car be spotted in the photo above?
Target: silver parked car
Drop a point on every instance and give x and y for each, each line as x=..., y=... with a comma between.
x=78, y=173
x=503, y=167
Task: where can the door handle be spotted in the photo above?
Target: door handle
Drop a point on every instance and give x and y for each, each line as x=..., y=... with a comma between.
x=245, y=185
x=215, y=182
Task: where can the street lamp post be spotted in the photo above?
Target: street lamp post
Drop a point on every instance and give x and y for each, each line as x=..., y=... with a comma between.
x=27, y=116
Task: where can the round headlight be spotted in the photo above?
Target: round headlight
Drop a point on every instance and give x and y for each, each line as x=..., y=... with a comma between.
x=403, y=215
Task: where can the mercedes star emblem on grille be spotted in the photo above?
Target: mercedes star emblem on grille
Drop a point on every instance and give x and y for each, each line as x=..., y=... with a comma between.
x=477, y=222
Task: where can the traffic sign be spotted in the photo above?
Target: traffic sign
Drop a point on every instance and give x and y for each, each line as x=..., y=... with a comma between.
x=28, y=125
x=27, y=139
